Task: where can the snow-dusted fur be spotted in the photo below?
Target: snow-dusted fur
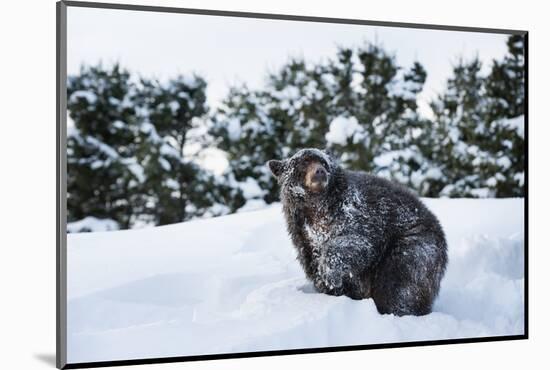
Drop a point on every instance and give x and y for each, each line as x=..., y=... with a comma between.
x=362, y=236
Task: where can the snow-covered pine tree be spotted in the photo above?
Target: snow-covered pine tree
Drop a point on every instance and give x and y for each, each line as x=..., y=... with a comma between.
x=245, y=129
x=374, y=107
x=103, y=175
x=289, y=113
x=395, y=132
x=461, y=129
x=505, y=84
x=126, y=149
x=176, y=187
x=505, y=87
x=479, y=125
x=417, y=166
x=300, y=99
x=172, y=117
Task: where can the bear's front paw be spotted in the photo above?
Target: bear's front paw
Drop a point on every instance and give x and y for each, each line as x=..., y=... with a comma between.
x=333, y=269
x=331, y=277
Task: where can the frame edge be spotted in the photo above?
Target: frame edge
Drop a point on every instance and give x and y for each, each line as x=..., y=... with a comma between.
x=61, y=191
x=61, y=195
x=287, y=17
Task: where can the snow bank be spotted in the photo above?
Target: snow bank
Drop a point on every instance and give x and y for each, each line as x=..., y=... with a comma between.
x=232, y=284
x=92, y=224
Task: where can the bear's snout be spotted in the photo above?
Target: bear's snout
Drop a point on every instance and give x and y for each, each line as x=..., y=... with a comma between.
x=316, y=177
x=320, y=175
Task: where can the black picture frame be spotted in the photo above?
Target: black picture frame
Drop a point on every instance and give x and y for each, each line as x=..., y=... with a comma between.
x=61, y=191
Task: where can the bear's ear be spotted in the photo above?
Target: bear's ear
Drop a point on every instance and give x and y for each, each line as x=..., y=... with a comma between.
x=276, y=167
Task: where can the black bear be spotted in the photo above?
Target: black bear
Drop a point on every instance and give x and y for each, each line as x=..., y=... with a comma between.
x=360, y=235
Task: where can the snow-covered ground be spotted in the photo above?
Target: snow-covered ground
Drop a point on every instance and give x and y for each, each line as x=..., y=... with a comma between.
x=232, y=284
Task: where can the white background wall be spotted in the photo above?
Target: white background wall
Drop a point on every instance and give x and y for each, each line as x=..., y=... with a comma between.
x=27, y=148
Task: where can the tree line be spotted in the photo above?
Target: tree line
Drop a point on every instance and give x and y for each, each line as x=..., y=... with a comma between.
x=127, y=137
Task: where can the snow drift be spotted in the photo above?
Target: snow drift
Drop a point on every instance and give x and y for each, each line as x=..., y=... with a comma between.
x=232, y=284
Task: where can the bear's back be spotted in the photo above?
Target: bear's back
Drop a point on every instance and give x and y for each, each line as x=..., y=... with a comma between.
x=392, y=204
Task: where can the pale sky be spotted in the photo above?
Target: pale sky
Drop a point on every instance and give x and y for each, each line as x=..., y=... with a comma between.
x=228, y=50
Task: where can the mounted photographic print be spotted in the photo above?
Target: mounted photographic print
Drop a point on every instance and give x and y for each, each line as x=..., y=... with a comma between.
x=237, y=184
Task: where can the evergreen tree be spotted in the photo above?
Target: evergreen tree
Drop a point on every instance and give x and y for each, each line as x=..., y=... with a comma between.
x=505, y=88
x=459, y=128
x=175, y=185
x=505, y=83
x=102, y=171
x=126, y=149
x=480, y=127
x=244, y=127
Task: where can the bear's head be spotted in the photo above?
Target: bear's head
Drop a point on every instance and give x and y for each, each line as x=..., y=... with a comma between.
x=308, y=171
